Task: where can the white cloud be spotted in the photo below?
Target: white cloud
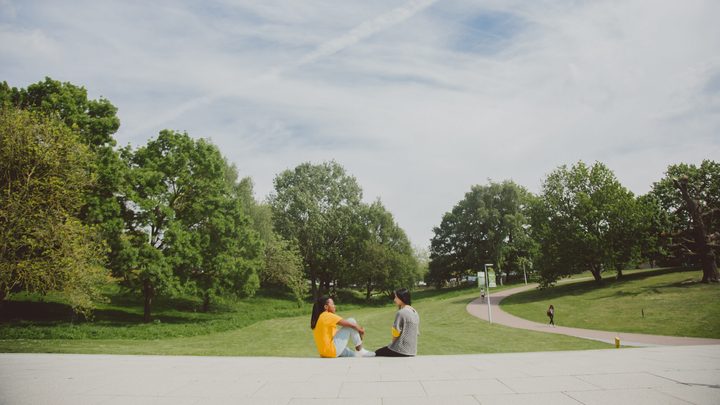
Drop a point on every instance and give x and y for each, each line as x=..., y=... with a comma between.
x=418, y=100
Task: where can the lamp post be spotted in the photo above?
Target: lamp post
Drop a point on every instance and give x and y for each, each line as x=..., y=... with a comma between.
x=487, y=291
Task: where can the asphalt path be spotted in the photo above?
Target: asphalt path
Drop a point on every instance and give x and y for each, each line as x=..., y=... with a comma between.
x=479, y=308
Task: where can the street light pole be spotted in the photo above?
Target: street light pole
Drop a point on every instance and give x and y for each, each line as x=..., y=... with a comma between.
x=487, y=291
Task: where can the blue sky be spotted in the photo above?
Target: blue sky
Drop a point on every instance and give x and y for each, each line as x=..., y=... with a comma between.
x=419, y=100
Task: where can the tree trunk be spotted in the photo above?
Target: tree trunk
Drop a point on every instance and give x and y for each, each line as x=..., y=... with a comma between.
x=707, y=256
x=148, y=293
x=619, y=274
x=710, y=271
x=369, y=290
x=595, y=270
x=314, y=288
x=206, y=302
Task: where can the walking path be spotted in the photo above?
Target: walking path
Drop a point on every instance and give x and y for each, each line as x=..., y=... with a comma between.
x=637, y=376
x=478, y=308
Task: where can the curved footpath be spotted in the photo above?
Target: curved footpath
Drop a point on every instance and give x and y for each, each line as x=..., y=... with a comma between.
x=478, y=308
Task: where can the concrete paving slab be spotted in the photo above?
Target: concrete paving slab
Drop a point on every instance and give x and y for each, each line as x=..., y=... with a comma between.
x=636, y=396
x=673, y=375
x=695, y=394
x=450, y=400
x=625, y=380
x=310, y=389
x=383, y=389
x=703, y=377
x=553, y=383
x=549, y=398
x=337, y=401
x=465, y=387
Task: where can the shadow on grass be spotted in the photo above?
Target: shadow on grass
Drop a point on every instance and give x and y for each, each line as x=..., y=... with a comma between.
x=583, y=287
x=52, y=313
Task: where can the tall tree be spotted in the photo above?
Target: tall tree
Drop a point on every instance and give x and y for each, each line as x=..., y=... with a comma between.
x=585, y=220
x=488, y=226
x=95, y=122
x=386, y=260
x=185, y=206
x=283, y=263
x=691, y=196
x=315, y=206
x=654, y=227
x=44, y=168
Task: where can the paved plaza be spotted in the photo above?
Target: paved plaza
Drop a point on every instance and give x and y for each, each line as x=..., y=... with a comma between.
x=650, y=375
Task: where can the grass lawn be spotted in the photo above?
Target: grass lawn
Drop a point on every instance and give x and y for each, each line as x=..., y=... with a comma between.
x=673, y=302
x=446, y=328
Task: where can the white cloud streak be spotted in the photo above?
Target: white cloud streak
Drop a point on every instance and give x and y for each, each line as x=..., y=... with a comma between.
x=419, y=100
x=328, y=48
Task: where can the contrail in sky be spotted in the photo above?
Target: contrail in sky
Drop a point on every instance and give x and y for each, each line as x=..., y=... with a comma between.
x=331, y=47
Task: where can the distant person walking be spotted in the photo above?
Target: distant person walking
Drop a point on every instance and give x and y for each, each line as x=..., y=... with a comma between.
x=405, y=329
x=330, y=340
x=551, y=315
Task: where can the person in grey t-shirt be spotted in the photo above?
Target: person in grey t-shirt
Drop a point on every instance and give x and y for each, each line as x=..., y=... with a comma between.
x=405, y=329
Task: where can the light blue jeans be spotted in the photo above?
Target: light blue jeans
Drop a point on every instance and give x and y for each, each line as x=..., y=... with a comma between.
x=343, y=336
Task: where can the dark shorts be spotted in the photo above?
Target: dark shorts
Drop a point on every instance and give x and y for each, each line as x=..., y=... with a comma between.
x=386, y=352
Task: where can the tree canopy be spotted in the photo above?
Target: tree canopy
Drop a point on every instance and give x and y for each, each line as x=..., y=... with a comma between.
x=584, y=220
x=186, y=222
x=690, y=195
x=489, y=225
x=44, y=247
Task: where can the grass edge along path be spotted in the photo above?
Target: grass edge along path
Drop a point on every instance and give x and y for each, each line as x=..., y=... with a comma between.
x=446, y=328
x=665, y=302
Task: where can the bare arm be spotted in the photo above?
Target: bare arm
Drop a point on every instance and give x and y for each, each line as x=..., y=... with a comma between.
x=355, y=326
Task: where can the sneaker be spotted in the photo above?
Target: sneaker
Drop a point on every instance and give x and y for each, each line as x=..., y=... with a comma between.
x=364, y=353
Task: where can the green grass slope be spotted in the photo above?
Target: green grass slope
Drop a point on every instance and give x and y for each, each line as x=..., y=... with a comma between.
x=272, y=327
x=661, y=302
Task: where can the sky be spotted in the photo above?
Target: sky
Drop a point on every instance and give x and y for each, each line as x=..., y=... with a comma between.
x=418, y=100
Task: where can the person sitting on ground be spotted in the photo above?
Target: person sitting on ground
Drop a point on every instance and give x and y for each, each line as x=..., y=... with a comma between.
x=330, y=340
x=405, y=329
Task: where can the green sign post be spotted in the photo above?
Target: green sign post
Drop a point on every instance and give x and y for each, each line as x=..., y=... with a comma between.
x=489, y=282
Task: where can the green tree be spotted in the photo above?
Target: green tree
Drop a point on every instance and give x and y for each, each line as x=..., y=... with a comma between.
x=185, y=206
x=585, y=220
x=690, y=195
x=488, y=225
x=386, y=260
x=283, y=265
x=317, y=208
x=44, y=169
x=95, y=122
x=653, y=227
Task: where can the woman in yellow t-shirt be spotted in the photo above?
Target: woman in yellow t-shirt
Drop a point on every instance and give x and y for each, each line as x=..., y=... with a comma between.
x=330, y=340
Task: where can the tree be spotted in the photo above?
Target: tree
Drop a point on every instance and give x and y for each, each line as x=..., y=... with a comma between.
x=585, y=220
x=185, y=206
x=44, y=170
x=654, y=225
x=283, y=265
x=315, y=207
x=95, y=122
x=488, y=226
x=691, y=197
x=386, y=259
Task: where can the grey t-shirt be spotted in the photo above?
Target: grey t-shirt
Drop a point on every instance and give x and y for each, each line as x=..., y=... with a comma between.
x=407, y=322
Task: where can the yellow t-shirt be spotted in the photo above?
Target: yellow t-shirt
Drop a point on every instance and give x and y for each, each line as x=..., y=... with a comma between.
x=324, y=333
